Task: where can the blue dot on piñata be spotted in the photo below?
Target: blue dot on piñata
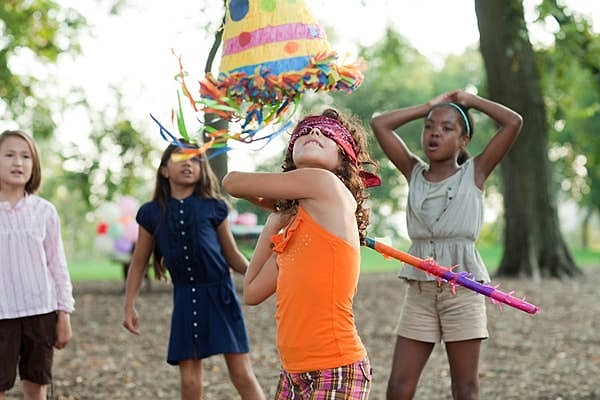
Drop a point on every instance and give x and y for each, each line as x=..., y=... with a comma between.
x=238, y=9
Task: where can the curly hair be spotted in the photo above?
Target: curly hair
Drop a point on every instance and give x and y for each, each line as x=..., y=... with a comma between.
x=348, y=171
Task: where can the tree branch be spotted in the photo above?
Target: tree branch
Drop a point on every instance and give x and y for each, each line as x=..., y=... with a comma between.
x=216, y=43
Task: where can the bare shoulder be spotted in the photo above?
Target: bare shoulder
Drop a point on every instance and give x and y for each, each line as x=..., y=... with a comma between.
x=332, y=204
x=324, y=182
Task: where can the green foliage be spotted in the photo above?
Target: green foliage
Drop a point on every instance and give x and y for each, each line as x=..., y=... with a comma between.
x=399, y=76
x=571, y=83
x=490, y=233
x=34, y=35
x=115, y=160
x=38, y=31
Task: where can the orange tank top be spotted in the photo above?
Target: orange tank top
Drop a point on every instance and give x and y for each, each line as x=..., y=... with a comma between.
x=317, y=281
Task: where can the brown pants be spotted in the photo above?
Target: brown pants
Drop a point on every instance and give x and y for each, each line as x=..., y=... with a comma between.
x=27, y=342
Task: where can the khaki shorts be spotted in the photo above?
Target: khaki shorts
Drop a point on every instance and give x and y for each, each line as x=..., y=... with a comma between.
x=431, y=313
x=27, y=342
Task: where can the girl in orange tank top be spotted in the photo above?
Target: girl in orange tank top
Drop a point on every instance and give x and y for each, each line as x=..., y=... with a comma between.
x=308, y=254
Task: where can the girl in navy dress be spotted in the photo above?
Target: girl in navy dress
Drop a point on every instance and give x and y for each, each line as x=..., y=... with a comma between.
x=185, y=227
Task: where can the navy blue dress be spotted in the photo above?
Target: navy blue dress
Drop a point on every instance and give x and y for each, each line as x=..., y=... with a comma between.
x=207, y=317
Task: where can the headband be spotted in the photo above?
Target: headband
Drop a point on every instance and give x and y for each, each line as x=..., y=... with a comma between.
x=334, y=130
x=464, y=117
x=330, y=128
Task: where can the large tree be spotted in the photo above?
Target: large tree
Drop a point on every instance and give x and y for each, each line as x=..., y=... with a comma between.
x=34, y=35
x=398, y=76
x=533, y=243
x=572, y=90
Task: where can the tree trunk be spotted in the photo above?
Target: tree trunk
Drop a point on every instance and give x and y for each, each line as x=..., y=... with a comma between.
x=219, y=162
x=585, y=228
x=533, y=243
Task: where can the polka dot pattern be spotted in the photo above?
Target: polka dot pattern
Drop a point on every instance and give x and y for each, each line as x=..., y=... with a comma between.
x=238, y=9
x=244, y=39
x=290, y=48
x=267, y=5
x=272, y=34
x=273, y=50
x=264, y=32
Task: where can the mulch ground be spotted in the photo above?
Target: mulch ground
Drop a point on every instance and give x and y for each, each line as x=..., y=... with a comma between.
x=552, y=355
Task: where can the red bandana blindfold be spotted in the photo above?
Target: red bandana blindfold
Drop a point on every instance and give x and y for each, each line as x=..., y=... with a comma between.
x=337, y=132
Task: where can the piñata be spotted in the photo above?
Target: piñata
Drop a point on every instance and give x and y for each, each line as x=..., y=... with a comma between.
x=273, y=51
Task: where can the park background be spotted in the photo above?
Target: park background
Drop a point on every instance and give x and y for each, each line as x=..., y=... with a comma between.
x=84, y=76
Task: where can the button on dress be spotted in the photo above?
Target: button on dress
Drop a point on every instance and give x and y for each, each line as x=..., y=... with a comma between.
x=207, y=317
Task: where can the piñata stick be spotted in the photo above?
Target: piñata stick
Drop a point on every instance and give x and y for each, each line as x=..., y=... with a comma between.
x=454, y=278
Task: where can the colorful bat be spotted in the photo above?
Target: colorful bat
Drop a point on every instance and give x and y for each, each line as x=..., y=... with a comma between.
x=453, y=278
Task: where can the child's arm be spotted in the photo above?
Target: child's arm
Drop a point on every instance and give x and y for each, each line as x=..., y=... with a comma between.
x=57, y=263
x=137, y=270
x=392, y=145
x=302, y=183
x=509, y=126
x=260, y=281
x=265, y=204
x=232, y=254
x=63, y=329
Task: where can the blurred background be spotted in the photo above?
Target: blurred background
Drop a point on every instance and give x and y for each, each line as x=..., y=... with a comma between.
x=83, y=77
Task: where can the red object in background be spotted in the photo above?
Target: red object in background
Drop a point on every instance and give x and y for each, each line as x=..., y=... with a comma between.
x=102, y=228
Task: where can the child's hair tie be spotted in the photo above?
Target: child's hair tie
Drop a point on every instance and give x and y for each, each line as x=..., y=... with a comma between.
x=464, y=117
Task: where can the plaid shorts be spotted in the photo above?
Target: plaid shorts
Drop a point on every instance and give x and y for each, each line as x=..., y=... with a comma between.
x=348, y=382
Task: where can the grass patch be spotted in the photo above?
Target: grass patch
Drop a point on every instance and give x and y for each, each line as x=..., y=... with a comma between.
x=372, y=261
x=587, y=257
x=95, y=270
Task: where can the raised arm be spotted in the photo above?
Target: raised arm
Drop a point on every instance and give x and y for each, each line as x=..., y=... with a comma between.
x=393, y=146
x=509, y=125
x=302, y=183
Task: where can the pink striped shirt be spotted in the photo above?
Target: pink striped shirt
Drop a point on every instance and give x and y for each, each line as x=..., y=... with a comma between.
x=34, y=278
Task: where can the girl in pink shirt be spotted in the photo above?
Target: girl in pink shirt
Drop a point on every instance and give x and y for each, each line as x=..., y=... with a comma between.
x=35, y=288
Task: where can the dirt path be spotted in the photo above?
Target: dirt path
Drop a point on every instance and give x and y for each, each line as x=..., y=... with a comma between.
x=552, y=355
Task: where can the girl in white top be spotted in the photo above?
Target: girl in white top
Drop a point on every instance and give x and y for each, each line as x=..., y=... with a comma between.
x=444, y=217
x=35, y=288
